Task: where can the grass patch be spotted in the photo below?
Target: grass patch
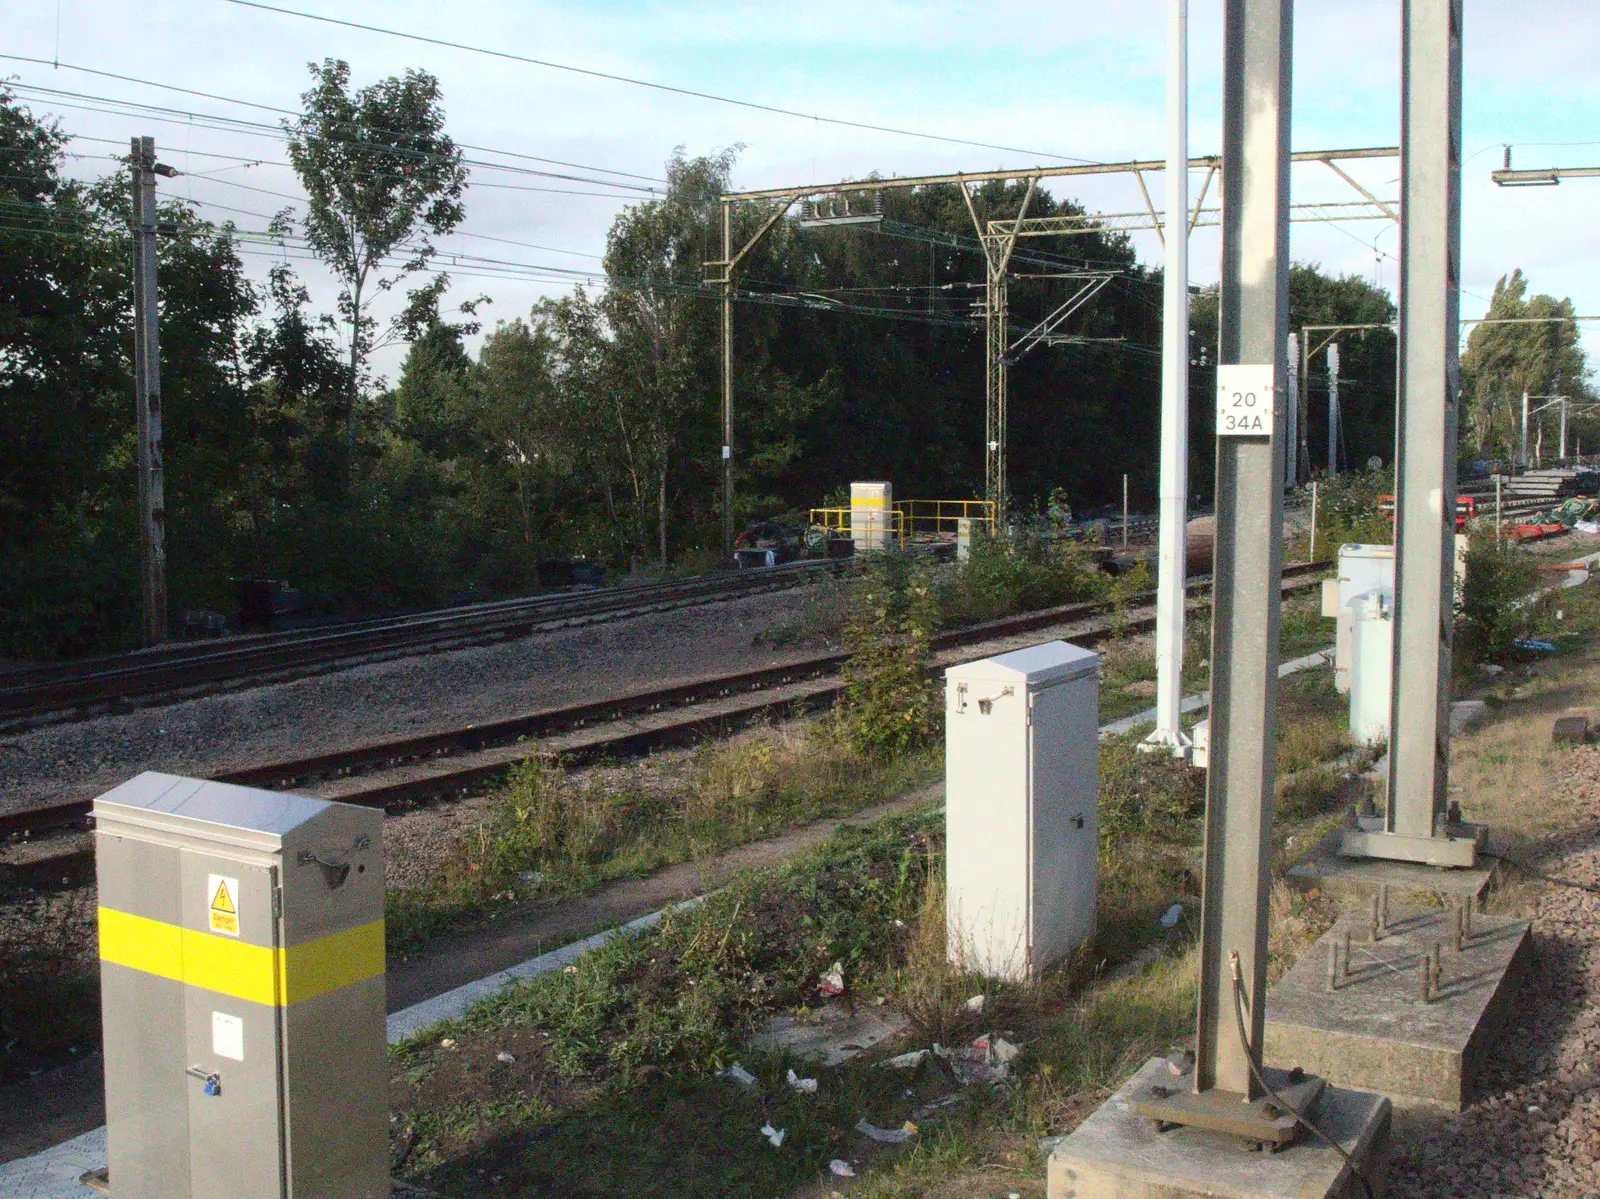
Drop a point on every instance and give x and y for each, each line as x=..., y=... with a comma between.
x=615, y=1061
x=613, y=1085
x=551, y=835
x=1313, y=721
x=1128, y=664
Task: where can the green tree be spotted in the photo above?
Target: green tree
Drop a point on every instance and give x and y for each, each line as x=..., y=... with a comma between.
x=522, y=417
x=661, y=335
x=1542, y=358
x=68, y=568
x=432, y=401
x=1366, y=368
x=380, y=175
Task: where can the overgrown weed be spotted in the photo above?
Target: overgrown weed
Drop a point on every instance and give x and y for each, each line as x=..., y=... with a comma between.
x=890, y=704
x=1006, y=575
x=1492, y=610
x=552, y=835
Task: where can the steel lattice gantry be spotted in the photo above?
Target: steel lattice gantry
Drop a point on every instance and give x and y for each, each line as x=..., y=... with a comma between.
x=999, y=238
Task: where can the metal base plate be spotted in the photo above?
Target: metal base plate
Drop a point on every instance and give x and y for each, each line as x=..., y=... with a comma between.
x=1178, y=744
x=1458, y=849
x=1262, y=1120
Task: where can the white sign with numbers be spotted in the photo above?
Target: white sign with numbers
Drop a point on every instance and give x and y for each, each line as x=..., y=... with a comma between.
x=1244, y=401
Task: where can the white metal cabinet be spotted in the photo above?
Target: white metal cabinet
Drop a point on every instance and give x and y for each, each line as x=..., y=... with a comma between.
x=1363, y=569
x=1021, y=792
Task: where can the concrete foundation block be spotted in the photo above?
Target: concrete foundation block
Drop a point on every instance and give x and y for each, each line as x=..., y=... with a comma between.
x=1356, y=880
x=1570, y=730
x=1118, y=1154
x=1375, y=1031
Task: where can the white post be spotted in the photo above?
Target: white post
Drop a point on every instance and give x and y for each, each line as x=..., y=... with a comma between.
x=1311, y=552
x=1333, y=408
x=1563, y=430
x=1522, y=458
x=1498, y=518
x=1291, y=408
x=1124, y=510
x=1174, y=508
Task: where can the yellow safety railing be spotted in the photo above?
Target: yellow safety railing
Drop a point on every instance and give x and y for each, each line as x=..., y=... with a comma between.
x=878, y=528
x=863, y=524
x=941, y=516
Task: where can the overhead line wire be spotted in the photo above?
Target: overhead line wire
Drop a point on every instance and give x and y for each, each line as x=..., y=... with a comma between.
x=292, y=113
x=266, y=131
x=260, y=128
x=660, y=87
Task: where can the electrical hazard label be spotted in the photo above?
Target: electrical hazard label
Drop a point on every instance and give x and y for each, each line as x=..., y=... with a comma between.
x=1245, y=400
x=224, y=904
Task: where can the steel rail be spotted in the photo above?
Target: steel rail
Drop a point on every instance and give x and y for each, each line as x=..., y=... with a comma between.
x=617, y=710
x=50, y=694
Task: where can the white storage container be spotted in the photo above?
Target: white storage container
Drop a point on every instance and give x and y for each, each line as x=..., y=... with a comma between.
x=1362, y=569
x=1021, y=793
x=1371, y=668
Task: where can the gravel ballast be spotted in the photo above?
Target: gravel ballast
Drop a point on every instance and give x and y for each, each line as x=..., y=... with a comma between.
x=1536, y=1129
x=433, y=693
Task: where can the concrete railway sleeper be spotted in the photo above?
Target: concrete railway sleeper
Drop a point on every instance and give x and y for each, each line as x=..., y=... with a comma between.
x=447, y=765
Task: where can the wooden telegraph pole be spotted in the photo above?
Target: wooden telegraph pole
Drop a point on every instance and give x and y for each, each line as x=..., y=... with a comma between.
x=144, y=168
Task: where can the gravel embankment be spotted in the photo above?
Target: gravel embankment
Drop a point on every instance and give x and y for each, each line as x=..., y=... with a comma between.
x=1536, y=1130
x=395, y=699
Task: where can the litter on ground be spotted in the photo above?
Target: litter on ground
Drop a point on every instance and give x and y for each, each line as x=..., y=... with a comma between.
x=906, y=1061
x=886, y=1136
x=832, y=982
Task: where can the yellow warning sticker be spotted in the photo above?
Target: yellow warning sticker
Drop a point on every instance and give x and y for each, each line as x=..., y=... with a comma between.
x=224, y=904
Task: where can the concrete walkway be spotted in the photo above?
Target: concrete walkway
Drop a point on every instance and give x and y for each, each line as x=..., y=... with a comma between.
x=1196, y=703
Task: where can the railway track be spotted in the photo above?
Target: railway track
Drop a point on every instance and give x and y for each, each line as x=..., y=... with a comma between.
x=396, y=773
x=48, y=694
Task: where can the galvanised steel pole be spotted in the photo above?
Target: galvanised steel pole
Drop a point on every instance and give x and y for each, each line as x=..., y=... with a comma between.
x=1253, y=329
x=1522, y=460
x=1333, y=408
x=1291, y=408
x=1425, y=431
x=1172, y=563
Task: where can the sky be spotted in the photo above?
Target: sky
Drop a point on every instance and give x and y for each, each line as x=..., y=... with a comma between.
x=1054, y=82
